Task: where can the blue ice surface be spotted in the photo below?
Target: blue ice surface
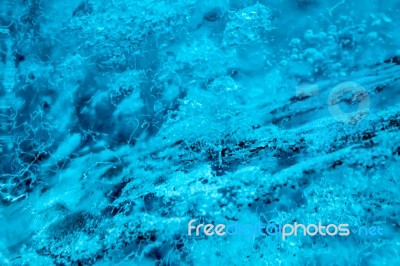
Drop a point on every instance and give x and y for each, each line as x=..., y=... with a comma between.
x=123, y=120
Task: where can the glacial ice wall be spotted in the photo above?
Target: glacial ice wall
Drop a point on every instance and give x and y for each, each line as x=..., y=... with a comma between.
x=123, y=120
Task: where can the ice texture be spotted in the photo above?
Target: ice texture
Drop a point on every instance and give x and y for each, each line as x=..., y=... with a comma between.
x=122, y=120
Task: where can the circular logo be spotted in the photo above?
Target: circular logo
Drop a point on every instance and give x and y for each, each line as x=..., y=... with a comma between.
x=348, y=93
